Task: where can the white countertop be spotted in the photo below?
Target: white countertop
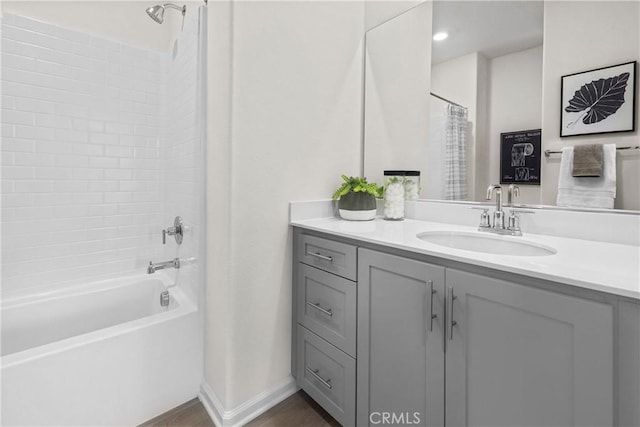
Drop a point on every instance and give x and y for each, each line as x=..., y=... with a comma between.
x=607, y=267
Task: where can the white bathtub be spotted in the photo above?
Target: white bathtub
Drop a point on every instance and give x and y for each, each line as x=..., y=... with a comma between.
x=104, y=354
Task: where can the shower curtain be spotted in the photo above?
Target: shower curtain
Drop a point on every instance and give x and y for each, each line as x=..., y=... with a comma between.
x=455, y=155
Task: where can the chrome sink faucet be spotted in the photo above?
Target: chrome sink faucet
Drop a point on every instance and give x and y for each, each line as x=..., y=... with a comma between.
x=152, y=268
x=497, y=226
x=498, y=215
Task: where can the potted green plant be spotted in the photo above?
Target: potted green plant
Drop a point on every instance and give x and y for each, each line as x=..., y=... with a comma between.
x=357, y=198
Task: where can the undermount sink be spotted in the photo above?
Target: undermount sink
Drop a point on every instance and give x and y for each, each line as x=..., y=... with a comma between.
x=486, y=243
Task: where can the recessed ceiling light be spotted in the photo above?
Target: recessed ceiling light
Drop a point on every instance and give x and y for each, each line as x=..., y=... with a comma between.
x=440, y=36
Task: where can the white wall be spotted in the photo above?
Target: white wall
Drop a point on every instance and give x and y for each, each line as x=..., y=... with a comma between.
x=397, y=80
x=576, y=40
x=295, y=110
x=380, y=11
x=481, y=149
x=457, y=80
x=515, y=104
x=217, y=332
x=124, y=21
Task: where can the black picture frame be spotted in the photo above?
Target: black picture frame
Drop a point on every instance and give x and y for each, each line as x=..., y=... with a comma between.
x=520, y=157
x=599, y=101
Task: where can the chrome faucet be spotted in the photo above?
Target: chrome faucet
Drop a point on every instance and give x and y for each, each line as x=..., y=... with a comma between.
x=513, y=191
x=498, y=215
x=177, y=231
x=497, y=226
x=152, y=268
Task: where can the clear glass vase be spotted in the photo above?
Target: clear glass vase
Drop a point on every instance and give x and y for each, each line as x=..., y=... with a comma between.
x=394, y=195
x=411, y=185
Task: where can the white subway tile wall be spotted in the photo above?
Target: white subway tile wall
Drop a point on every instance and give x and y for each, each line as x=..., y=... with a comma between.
x=83, y=176
x=181, y=150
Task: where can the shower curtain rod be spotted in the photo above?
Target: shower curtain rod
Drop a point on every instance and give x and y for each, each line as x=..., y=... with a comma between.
x=446, y=100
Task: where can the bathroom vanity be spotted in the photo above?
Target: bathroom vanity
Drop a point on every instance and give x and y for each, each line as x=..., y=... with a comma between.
x=390, y=329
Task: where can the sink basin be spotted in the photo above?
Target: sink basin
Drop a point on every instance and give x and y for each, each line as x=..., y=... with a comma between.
x=486, y=243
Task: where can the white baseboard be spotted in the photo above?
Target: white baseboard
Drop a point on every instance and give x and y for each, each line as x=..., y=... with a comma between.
x=211, y=404
x=248, y=410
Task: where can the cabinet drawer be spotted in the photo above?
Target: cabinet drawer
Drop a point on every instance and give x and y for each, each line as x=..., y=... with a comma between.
x=327, y=306
x=328, y=375
x=335, y=257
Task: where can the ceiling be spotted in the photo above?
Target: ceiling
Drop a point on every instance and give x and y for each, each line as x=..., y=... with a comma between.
x=493, y=28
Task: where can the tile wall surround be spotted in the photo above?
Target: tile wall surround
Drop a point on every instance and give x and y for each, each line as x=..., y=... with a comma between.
x=83, y=123
x=182, y=153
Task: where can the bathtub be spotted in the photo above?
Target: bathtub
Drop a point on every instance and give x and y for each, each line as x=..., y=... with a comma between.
x=102, y=354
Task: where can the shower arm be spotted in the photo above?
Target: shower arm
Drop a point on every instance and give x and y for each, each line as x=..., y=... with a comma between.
x=183, y=9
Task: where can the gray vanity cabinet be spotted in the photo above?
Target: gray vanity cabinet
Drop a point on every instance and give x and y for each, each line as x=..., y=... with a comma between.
x=511, y=354
x=400, y=372
x=518, y=355
x=384, y=339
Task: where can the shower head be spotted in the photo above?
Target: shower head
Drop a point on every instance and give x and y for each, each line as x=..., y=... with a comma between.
x=157, y=12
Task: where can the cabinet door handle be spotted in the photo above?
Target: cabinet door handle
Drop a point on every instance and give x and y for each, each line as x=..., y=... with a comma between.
x=320, y=256
x=430, y=293
x=452, y=323
x=326, y=311
x=326, y=383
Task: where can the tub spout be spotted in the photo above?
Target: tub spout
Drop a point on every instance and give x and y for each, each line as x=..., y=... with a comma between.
x=152, y=268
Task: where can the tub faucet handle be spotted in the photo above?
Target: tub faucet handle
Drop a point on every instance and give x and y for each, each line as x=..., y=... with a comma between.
x=177, y=231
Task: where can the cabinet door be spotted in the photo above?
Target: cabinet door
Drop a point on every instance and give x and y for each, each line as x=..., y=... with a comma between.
x=628, y=364
x=521, y=356
x=400, y=352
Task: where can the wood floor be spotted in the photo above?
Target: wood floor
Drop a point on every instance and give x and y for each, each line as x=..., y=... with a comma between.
x=298, y=410
x=190, y=414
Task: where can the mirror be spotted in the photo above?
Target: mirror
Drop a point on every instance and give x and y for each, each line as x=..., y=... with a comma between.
x=502, y=63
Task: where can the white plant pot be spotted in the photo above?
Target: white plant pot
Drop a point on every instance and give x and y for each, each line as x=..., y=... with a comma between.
x=357, y=215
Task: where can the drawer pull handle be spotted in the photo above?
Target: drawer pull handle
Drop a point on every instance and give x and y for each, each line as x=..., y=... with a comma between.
x=326, y=383
x=323, y=257
x=451, y=297
x=432, y=316
x=326, y=311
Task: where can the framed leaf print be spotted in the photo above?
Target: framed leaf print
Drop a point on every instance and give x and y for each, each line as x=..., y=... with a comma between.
x=599, y=101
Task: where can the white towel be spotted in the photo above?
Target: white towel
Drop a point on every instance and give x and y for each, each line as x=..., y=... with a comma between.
x=588, y=192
